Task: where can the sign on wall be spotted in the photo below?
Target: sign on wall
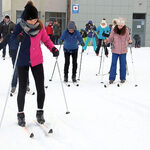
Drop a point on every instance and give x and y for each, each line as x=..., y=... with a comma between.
x=75, y=8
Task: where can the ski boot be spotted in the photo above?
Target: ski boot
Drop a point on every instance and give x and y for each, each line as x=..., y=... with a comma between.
x=21, y=119
x=40, y=117
x=65, y=78
x=12, y=92
x=74, y=78
x=122, y=81
x=111, y=81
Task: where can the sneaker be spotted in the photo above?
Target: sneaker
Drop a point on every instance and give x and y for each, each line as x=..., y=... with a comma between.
x=122, y=81
x=40, y=117
x=21, y=119
x=74, y=79
x=111, y=81
x=65, y=79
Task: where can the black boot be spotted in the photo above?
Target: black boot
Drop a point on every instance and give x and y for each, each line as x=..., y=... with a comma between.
x=40, y=117
x=74, y=78
x=21, y=119
x=65, y=78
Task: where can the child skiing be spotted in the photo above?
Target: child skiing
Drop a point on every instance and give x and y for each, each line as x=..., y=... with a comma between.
x=71, y=37
x=119, y=38
x=103, y=30
x=30, y=32
x=90, y=29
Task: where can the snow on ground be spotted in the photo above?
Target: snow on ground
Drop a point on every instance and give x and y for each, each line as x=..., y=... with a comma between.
x=101, y=118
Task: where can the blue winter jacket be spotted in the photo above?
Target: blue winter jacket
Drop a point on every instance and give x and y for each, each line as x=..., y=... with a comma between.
x=101, y=30
x=71, y=40
x=24, y=49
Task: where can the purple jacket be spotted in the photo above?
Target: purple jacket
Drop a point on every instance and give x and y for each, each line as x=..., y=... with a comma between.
x=120, y=42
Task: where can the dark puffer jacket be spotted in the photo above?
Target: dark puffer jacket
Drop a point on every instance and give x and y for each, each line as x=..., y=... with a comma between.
x=5, y=28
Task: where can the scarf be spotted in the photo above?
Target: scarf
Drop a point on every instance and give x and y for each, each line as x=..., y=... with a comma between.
x=31, y=30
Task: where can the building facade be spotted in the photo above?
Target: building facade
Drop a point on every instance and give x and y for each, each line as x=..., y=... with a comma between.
x=135, y=12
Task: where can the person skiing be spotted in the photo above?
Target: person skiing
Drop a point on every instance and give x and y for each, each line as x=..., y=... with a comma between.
x=90, y=29
x=137, y=39
x=103, y=31
x=30, y=32
x=83, y=34
x=12, y=54
x=49, y=30
x=57, y=31
x=5, y=26
x=70, y=36
x=120, y=38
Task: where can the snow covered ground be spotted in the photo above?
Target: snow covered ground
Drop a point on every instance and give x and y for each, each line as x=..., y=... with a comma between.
x=113, y=118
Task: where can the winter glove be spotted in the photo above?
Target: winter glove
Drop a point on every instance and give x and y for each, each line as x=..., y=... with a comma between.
x=105, y=35
x=83, y=51
x=55, y=52
x=82, y=44
x=20, y=37
x=61, y=42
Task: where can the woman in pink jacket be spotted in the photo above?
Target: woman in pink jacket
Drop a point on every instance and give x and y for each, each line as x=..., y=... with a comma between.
x=120, y=39
x=30, y=32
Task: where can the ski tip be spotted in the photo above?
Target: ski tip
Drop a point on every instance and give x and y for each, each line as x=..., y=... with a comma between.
x=105, y=86
x=50, y=131
x=33, y=93
x=67, y=112
x=31, y=135
x=118, y=85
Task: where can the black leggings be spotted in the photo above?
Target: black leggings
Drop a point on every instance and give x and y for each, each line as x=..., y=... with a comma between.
x=38, y=75
x=100, y=42
x=67, y=63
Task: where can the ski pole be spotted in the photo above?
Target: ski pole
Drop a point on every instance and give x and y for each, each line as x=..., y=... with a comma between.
x=102, y=68
x=4, y=109
x=54, y=67
x=67, y=111
x=80, y=65
x=100, y=62
x=133, y=66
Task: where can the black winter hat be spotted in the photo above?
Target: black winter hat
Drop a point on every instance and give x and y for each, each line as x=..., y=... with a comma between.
x=30, y=12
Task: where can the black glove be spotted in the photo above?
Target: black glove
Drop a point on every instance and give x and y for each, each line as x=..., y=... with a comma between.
x=105, y=34
x=55, y=52
x=83, y=51
x=82, y=44
x=61, y=42
x=20, y=37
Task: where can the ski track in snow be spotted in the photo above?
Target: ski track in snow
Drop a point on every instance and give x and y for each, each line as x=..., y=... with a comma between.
x=113, y=118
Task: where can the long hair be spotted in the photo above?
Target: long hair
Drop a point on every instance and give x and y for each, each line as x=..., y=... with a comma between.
x=40, y=24
x=118, y=31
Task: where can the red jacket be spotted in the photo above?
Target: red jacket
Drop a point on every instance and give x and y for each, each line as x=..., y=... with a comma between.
x=49, y=30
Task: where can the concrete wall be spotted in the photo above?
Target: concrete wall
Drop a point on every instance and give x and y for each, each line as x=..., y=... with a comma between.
x=96, y=10
x=41, y=5
x=6, y=7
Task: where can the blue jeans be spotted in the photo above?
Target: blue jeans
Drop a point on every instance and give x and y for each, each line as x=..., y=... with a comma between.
x=87, y=42
x=122, y=60
x=15, y=75
x=4, y=51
